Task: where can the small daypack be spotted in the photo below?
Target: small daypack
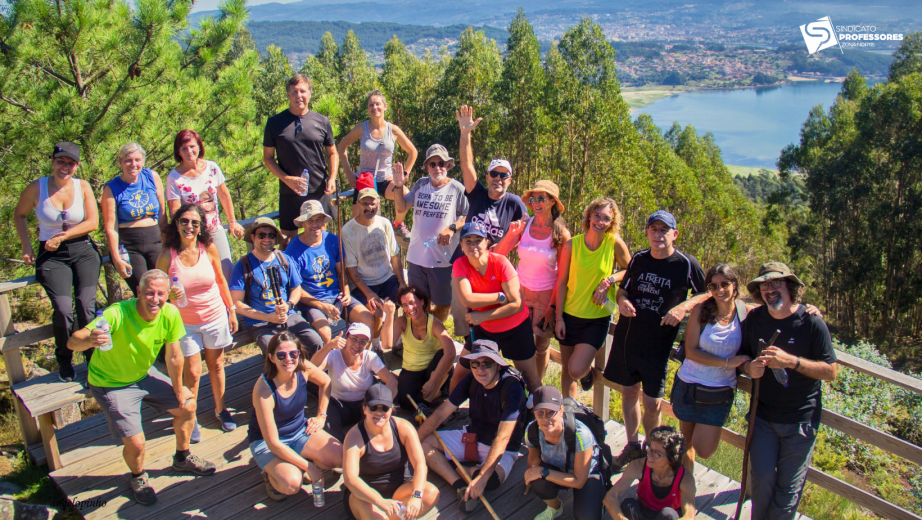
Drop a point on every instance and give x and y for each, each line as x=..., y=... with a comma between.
x=249, y=279
x=576, y=411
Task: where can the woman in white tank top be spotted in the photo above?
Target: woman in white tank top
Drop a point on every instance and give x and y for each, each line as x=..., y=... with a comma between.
x=67, y=264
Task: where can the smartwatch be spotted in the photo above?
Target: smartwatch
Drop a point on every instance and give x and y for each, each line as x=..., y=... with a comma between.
x=545, y=472
x=418, y=494
x=453, y=228
x=502, y=297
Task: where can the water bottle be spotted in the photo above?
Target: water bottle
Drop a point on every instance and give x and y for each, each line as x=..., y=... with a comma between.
x=402, y=512
x=432, y=242
x=306, y=175
x=182, y=301
x=781, y=375
x=317, y=490
x=123, y=255
x=103, y=325
x=610, y=306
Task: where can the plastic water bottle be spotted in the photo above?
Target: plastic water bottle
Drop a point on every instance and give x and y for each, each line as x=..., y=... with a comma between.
x=432, y=242
x=781, y=375
x=123, y=255
x=317, y=491
x=182, y=301
x=306, y=175
x=610, y=306
x=103, y=325
x=402, y=512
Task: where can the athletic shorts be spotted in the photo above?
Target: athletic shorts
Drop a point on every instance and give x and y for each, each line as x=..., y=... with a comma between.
x=215, y=335
x=122, y=404
x=517, y=343
x=452, y=440
x=434, y=281
x=314, y=314
x=263, y=455
x=591, y=331
x=386, y=291
x=380, y=187
x=629, y=364
x=290, y=207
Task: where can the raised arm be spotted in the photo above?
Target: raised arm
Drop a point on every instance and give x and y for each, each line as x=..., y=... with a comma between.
x=465, y=116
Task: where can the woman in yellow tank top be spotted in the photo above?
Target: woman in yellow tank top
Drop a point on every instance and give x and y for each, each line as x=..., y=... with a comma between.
x=582, y=319
x=428, y=350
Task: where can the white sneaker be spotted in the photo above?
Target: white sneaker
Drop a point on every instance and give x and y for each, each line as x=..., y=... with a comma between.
x=550, y=513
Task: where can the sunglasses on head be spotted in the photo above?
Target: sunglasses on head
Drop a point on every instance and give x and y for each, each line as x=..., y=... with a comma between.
x=282, y=355
x=188, y=221
x=487, y=364
x=540, y=198
x=437, y=164
x=723, y=285
x=263, y=235
x=772, y=284
x=544, y=414
x=382, y=408
x=501, y=175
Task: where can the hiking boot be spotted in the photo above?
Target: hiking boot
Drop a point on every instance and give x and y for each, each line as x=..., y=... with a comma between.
x=468, y=506
x=271, y=491
x=143, y=493
x=586, y=381
x=630, y=453
x=228, y=424
x=66, y=372
x=194, y=464
x=196, y=436
x=402, y=232
x=550, y=513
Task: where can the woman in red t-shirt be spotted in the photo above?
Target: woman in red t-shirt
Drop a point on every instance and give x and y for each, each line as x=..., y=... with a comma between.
x=488, y=285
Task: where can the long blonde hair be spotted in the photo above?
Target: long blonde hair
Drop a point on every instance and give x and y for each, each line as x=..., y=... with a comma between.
x=599, y=203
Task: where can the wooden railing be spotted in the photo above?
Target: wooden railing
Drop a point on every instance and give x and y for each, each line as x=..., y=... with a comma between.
x=11, y=342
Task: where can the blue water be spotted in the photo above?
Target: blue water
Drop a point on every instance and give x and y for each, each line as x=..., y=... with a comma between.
x=751, y=126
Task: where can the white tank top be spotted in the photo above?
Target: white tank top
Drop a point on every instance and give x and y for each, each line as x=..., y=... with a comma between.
x=722, y=341
x=537, y=261
x=50, y=218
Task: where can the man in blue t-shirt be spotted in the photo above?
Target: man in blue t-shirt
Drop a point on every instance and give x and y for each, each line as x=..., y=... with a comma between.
x=324, y=292
x=255, y=300
x=493, y=207
x=493, y=439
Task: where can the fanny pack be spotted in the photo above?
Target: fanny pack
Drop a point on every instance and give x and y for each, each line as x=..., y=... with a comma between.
x=702, y=394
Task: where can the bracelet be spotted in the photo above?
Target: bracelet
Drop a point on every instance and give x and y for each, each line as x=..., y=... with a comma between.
x=726, y=364
x=321, y=415
x=797, y=365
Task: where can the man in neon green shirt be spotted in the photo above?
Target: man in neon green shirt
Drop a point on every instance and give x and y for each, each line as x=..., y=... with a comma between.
x=123, y=376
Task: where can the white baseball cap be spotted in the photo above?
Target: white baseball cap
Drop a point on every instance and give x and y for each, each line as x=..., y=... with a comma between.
x=359, y=329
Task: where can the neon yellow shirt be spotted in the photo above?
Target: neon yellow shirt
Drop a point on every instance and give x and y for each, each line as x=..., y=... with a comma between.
x=417, y=354
x=136, y=343
x=587, y=268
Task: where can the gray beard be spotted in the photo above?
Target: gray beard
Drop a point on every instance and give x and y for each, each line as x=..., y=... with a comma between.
x=776, y=306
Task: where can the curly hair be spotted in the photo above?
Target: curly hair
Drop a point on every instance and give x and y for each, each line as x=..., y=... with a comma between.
x=171, y=239
x=599, y=203
x=794, y=289
x=709, y=307
x=673, y=442
x=285, y=336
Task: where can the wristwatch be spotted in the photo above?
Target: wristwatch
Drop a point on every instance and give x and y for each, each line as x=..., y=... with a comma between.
x=545, y=472
x=418, y=494
x=502, y=297
x=453, y=228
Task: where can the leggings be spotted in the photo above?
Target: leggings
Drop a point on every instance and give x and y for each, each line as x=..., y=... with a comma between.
x=72, y=270
x=587, y=500
x=409, y=382
x=143, y=246
x=634, y=510
x=341, y=416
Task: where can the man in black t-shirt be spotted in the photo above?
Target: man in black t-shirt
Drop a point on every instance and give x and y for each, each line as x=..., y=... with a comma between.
x=497, y=408
x=788, y=415
x=652, y=301
x=493, y=207
x=295, y=140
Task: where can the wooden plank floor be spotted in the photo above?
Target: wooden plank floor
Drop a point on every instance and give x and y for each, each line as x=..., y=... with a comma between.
x=95, y=472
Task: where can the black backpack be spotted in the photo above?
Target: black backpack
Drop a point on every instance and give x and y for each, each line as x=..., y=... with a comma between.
x=248, y=277
x=573, y=411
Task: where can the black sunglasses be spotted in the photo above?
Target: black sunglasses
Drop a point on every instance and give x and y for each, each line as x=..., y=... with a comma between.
x=65, y=225
x=487, y=364
x=263, y=235
x=282, y=355
x=723, y=285
x=437, y=164
x=540, y=198
x=298, y=128
x=501, y=175
x=188, y=221
x=383, y=408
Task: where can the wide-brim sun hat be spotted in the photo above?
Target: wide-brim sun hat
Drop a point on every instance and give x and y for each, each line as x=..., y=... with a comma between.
x=772, y=271
x=483, y=348
x=258, y=223
x=441, y=152
x=547, y=187
x=310, y=209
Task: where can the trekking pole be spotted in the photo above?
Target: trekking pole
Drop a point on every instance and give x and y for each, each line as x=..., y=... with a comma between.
x=275, y=284
x=749, y=432
x=453, y=459
x=339, y=234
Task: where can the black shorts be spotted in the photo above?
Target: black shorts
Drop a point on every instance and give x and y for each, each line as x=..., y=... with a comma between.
x=290, y=207
x=635, y=362
x=591, y=331
x=380, y=187
x=517, y=343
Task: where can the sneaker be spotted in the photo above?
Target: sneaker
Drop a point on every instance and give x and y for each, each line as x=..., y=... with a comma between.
x=586, y=381
x=196, y=435
x=66, y=372
x=194, y=464
x=228, y=424
x=143, y=493
x=550, y=513
x=271, y=491
x=402, y=232
x=376, y=348
x=630, y=453
x=468, y=506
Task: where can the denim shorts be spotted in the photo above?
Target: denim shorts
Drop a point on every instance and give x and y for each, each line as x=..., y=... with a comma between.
x=687, y=410
x=263, y=455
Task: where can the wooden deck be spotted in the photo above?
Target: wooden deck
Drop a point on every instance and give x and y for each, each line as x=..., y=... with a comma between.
x=95, y=477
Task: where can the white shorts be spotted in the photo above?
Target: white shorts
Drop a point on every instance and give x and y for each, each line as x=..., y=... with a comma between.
x=452, y=440
x=213, y=335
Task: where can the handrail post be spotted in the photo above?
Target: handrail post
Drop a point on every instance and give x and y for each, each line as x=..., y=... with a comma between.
x=601, y=394
x=16, y=374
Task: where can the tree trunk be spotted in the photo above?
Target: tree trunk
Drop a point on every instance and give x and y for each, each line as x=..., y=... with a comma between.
x=113, y=284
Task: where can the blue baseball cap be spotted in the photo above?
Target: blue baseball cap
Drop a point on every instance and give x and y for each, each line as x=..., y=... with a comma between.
x=473, y=228
x=663, y=216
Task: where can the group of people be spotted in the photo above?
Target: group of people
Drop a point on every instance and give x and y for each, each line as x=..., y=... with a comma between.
x=565, y=286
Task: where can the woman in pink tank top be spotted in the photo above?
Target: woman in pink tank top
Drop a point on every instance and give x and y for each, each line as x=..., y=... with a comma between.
x=191, y=258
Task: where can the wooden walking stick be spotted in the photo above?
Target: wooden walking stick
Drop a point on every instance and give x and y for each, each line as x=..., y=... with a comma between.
x=461, y=469
x=749, y=431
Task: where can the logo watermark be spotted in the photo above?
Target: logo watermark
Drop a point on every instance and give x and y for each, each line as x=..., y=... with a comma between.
x=821, y=34
x=79, y=505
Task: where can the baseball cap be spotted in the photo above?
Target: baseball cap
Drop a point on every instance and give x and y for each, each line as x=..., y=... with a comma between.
x=663, y=216
x=368, y=192
x=359, y=329
x=547, y=397
x=495, y=163
x=473, y=228
x=66, y=149
x=379, y=394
